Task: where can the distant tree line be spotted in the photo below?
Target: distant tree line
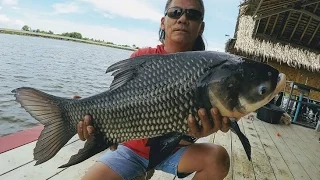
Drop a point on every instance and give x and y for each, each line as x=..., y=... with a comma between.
x=73, y=35
x=76, y=35
x=27, y=28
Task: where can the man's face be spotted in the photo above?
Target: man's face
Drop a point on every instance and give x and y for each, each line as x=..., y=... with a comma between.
x=182, y=30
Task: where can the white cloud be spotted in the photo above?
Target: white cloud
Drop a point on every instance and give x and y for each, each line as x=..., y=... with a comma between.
x=137, y=9
x=6, y=22
x=65, y=8
x=4, y=18
x=10, y=2
x=0, y=7
x=107, y=16
x=19, y=23
x=15, y=8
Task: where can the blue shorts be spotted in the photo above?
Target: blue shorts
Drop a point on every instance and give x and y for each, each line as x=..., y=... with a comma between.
x=128, y=164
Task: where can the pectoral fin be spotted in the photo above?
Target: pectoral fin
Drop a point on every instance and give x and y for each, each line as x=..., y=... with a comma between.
x=161, y=147
x=244, y=140
x=91, y=147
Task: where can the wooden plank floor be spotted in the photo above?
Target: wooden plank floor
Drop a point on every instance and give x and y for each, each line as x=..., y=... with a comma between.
x=295, y=154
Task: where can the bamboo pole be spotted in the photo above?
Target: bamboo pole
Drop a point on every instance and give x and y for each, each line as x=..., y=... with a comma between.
x=255, y=12
x=314, y=33
x=265, y=28
x=285, y=25
x=295, y=27
x=314, y=10
x=274, y=24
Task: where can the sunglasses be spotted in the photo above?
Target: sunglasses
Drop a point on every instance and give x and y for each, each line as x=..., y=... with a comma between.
x=177, y=12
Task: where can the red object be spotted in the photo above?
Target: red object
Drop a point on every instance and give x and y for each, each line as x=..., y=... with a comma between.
x=149, y=50
x=20, y=138
x=278, y=134
x=138, y=146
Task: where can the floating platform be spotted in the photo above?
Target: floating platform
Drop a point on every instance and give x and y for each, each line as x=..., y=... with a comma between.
x=279, y=152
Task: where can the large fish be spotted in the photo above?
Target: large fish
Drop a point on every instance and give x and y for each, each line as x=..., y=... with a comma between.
x=151, y=97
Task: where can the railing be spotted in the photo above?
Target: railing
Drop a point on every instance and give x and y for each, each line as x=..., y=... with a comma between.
x=304, y=111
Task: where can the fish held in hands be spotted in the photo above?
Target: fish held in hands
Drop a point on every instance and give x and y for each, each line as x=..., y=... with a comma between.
x=151, y=97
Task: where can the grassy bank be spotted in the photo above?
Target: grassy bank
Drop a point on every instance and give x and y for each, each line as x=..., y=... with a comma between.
x=59, y=37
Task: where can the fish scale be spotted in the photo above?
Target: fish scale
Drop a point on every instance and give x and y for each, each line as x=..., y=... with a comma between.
x=177, y=97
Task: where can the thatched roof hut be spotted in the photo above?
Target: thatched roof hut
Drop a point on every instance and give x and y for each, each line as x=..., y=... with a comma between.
x=285, y=31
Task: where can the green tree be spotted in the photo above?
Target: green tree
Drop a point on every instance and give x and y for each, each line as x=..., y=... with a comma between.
x=73, y=35
x=76, y=35
x=26, y=28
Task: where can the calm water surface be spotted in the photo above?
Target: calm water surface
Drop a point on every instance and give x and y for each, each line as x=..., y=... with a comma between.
x=57, y=67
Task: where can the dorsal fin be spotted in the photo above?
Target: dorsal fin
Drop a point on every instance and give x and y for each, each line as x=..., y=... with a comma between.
x=127, y=69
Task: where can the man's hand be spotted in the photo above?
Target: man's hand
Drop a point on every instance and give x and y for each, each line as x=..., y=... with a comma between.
x=85, y=129
x=219, y=123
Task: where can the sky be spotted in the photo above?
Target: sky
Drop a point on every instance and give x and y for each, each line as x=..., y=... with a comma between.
x=118, y=21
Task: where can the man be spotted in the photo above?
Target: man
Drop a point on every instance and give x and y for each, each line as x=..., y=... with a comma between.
x=180, y=31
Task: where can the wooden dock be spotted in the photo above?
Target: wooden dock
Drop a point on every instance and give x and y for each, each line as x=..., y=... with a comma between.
x=295, y=154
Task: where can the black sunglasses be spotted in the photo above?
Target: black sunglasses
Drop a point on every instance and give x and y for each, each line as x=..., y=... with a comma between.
x=177, y=12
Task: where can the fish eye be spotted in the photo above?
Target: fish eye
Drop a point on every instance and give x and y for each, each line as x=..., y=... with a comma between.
x=262, y=90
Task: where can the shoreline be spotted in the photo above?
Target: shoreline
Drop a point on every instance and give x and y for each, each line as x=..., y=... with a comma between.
x=59, y=37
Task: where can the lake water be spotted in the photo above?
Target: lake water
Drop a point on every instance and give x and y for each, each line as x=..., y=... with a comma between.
x=57, y=67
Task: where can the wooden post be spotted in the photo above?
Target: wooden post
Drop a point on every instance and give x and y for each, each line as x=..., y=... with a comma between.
x=318, y=126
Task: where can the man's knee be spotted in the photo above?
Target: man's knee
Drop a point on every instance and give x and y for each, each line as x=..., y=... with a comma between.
x=217, y=159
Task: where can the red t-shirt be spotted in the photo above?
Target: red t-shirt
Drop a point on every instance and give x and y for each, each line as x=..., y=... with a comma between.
x=138, y=146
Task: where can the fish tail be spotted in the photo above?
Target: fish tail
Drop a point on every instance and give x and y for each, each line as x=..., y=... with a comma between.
x=244, y=140
x=46, y=109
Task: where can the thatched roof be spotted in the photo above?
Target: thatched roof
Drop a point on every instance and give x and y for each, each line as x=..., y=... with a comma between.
x=284, y=30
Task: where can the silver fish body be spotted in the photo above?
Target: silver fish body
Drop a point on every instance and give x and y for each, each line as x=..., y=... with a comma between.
x=151, y=96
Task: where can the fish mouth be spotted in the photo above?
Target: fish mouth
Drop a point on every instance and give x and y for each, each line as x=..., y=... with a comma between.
x=280, y=85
